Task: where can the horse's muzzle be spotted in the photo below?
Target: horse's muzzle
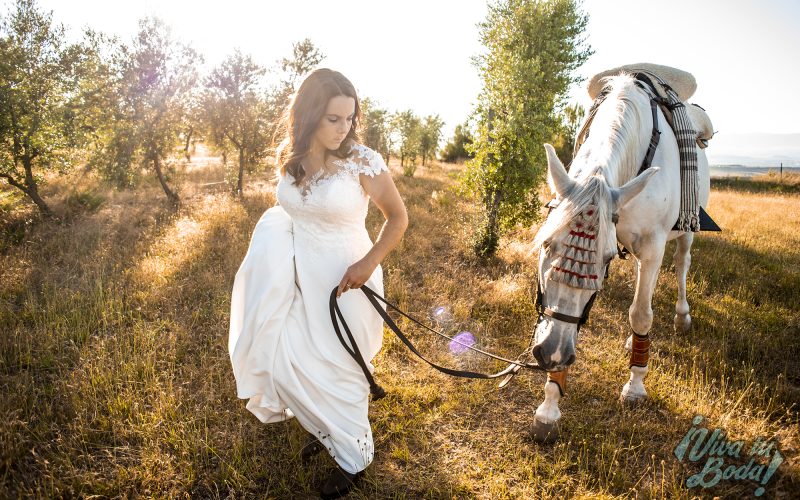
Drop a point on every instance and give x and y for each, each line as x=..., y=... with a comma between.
x=553, y=350
x=548, y=363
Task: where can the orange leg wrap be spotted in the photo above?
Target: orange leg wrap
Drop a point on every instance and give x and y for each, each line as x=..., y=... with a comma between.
x=559, y=378
x=640, y=351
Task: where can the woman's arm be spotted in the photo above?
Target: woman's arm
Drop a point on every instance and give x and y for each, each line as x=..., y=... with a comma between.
x=384, y=193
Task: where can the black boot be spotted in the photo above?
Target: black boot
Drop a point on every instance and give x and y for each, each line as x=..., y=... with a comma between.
x=339, y=483
x=311, y=448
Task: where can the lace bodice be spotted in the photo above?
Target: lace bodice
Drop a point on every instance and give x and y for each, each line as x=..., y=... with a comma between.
x=332, y=208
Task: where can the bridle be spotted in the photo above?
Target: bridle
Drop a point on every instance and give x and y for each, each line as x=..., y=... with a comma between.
x=579, y=321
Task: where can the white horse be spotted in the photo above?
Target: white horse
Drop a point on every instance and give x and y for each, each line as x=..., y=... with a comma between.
x=579, y=237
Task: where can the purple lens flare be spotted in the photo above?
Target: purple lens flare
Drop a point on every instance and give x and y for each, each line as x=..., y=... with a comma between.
x=462, y=342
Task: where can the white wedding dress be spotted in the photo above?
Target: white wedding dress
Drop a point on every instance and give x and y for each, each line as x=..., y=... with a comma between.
x=286, y=357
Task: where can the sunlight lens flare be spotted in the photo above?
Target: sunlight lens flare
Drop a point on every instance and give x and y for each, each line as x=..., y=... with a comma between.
x=441, y=316
x=462, y=342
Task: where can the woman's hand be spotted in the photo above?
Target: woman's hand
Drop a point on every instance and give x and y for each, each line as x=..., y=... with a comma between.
x=356, y=275
x=381, y=189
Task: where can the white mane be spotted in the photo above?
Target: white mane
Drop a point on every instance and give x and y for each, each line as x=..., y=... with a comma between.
x=609, y=157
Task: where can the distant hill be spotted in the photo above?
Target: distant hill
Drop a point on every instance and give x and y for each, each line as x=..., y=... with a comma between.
x=763, y=150
x=718, y=171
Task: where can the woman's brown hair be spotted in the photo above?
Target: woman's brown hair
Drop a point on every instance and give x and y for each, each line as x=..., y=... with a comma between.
x=306, y=109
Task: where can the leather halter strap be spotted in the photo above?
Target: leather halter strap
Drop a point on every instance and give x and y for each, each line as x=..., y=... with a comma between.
x=566, y=318
x=644, y=82
x=654, y=139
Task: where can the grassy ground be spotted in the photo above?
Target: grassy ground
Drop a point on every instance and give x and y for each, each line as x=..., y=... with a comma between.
x=116, y=381
x=770, y=182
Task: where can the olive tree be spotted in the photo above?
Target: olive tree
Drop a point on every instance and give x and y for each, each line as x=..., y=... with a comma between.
x=457, y=148
x=235, y=110
x=430, y=134
x=39, y=93
x=155, y=79
x=375, y=127
x=407, y=127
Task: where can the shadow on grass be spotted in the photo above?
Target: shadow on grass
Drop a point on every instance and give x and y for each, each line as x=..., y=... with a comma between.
x=749, y=312
x=744, y=308
x=67, y=292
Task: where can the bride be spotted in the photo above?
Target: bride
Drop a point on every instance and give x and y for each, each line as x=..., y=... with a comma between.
x=286, y=358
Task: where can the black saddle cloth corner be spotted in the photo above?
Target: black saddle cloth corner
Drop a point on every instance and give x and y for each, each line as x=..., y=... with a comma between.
x=706, y=222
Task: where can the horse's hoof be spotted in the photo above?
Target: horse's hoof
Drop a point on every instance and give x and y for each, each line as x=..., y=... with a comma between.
x=629, y=397
x=631, y=401
x=544, y=433
x=683, y=323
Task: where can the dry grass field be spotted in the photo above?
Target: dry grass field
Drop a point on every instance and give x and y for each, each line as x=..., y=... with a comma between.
x=116, y=382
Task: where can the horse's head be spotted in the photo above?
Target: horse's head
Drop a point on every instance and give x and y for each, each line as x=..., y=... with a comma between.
x=576, y=243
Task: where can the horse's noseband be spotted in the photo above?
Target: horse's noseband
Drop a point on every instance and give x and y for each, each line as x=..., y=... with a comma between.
x=566, y=318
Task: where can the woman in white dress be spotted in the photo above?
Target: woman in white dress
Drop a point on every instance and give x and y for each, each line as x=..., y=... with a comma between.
x=286, y=357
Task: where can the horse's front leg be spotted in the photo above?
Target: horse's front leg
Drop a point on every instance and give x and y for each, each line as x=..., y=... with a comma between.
x=682, y=260
x=545, y=420
x=641, y=318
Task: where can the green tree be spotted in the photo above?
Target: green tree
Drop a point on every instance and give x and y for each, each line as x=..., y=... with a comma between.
x=39, y=95
x=533, y=48
x=407, y=128
x=235, y=110
x=374, y=127
x=564, y=142
x=156, y=78
x=457, y=148
x=96, y=110
x=429, y=135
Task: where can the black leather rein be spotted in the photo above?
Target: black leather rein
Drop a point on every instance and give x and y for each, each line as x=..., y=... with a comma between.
x=376, y=390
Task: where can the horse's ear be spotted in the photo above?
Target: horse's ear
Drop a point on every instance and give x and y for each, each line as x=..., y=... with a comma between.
x=633, y=187
x=560, y=182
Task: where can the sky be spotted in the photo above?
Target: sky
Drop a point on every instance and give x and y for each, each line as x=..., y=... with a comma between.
x=417, y=54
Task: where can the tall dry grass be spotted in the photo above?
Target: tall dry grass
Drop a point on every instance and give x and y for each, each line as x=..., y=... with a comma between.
x=116, y=380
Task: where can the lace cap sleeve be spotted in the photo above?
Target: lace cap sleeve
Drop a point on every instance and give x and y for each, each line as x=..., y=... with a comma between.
x=366, y=161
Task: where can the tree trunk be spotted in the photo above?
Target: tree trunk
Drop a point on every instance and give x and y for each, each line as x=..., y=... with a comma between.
x=186, y=145
x=171, y=196
x=488, y=239
x=489, y=235
x=33, y=192
x=32, y=189
x=241, y=173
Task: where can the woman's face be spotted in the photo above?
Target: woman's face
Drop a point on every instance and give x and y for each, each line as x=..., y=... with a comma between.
x=336, y=122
